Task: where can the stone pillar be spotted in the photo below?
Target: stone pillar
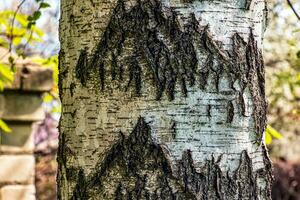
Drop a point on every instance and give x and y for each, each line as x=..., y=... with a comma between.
x=20, y=108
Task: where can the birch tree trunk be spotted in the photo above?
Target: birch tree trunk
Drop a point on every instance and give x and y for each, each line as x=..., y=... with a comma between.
x=162, y=99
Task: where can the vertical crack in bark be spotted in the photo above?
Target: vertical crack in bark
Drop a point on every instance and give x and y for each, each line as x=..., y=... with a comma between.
x=136, y=167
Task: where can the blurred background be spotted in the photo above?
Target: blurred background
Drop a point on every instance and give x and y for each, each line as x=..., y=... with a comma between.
x=30, y=107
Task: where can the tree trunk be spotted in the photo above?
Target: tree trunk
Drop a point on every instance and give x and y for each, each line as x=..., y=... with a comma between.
x=162, y=99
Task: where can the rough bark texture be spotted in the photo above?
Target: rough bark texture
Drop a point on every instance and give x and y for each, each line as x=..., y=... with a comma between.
x=136, y=163
x=162, y=100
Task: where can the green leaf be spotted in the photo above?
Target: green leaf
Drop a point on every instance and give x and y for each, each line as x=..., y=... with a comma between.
x=6, y=75
x=22, y=19
x=274, y=133
x=44, y=5
x=268, y=138
x=11, y=59
x=56, y=109
x=17, y=40
x=48, y=98
x=36, y=15
x=30, y=24
x=30, y=18
x=4, y=127
x=1, y=86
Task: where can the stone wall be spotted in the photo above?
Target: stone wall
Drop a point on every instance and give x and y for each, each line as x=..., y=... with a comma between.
x=20, y=108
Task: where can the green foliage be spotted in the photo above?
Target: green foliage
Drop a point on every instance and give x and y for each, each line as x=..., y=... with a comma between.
x=44, y=5
x=17, y=31
x=270, y=134
x=6, y=75
x=6, y=78
x=4, y=127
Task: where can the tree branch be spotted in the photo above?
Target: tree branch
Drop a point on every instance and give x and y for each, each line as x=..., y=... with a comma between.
x=12, y=24
x=292, y=7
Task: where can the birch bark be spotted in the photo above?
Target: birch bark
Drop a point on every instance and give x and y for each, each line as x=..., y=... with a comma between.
x=162, y=99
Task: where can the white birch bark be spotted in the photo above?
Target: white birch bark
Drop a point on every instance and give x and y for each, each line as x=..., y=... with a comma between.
x=200, y=94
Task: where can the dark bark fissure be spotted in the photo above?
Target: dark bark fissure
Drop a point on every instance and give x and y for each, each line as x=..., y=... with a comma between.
x=136, y=167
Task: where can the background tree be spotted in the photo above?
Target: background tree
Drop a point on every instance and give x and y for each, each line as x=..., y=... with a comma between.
x=162, y=100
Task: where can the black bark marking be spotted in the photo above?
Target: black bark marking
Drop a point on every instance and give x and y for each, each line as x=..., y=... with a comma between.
x=230, y=112
x=173, y=130
x=80, y=188
x=73, y=114
x=191, y=1
x=72, y=87
x=135, y=76
x=249, y=66
x=118, y=192
x=131, y=160
x=136, y=167
x=240, y=69
x=188, y=1
x=247, y=4
x=149, y=29
x=205, y=72
x=209, y=111
x=242, y=104
x=81, y=67
x=62, y=72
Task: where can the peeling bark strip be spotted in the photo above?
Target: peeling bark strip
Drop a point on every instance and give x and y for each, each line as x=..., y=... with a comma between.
x=137, y=168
